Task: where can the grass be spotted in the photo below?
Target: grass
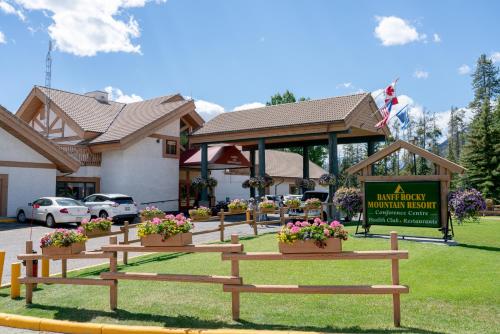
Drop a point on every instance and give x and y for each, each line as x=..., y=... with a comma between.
x=453, y=289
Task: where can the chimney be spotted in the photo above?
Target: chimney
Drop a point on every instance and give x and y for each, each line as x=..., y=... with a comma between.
x=100, y=96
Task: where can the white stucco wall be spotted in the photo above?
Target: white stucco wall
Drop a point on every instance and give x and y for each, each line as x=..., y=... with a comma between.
x=85, y=171
x=24, y=184
x=141, y=171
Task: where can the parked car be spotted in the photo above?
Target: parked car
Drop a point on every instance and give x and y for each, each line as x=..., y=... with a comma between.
x=117, y=207
x=53, y=210
x=321, y=195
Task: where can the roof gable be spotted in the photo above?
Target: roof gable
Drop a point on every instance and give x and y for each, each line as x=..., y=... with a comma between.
x=400, y=144
x=21, y=130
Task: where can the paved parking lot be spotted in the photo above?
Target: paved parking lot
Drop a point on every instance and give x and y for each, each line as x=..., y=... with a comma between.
x=14, y=235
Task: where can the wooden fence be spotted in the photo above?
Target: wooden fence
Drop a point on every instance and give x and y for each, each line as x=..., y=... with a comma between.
x=232, y=283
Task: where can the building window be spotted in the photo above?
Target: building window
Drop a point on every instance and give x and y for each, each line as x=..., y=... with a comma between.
x=171, y=147
x=293, y=189
x=75, y=190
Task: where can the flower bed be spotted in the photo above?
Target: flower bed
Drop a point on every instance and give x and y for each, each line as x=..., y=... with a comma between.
x=267, y=206
x=237, y=206
x=200, y=213
x=150, y=213
x=318, y=237
x=313, y=204
x=465, y=204
x=63, y=241
x=95, y=227
x=348, y=200
x=170, y=231
x=293, y=203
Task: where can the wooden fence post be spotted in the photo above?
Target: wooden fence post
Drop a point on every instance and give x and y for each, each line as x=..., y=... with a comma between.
x=113, y=289
x=247, y=215
x=125, y=241
x=221, y=225
x=282, y=216
x=15, y=287
x=396, y=302
x=235, y=272
x=255, y=221
x=29, y=272
x=45, y=267
x=2, y=261
x=64, y=268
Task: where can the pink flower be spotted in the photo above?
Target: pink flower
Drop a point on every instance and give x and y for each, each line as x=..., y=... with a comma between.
x=85, y=221
x=317, y=221
x=289, y=225
x=156, y=221
x=295, y=229
x=180, y=216
x=326, y=232
x=334, y=224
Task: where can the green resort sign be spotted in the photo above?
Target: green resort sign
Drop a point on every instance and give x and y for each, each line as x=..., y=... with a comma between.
x=403, y=203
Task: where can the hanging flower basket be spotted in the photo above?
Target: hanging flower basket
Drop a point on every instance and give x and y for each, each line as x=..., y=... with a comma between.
x=348, y=200
x=466, y=204
x=201, y=183
x=63, y=242
x=170, y=231
x=246, y=184
x=260, y=182
x=326, y=180
x=318, y=237
x=306, y=184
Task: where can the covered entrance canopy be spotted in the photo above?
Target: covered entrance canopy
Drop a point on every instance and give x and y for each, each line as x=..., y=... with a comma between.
x=330, y=121
x=218, y=157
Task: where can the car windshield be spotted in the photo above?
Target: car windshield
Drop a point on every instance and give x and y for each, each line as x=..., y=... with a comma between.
x=319, y=195
x=123, y=200
x=68, y=202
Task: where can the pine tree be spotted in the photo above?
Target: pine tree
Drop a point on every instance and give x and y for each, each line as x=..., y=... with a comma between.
x=481, y=151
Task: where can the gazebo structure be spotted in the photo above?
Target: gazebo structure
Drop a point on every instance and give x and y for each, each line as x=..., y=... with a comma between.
x=330, y=121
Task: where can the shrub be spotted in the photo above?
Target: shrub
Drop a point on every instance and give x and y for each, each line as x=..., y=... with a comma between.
x=319, y=231
x=167, y=227
x=465, y=204
x=100, y=224
x=348, y=200
x=62, y=238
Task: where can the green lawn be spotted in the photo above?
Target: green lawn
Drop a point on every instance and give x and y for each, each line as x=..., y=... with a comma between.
x=452, y=290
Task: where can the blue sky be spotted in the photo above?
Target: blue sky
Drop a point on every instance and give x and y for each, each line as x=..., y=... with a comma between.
x=226, y=54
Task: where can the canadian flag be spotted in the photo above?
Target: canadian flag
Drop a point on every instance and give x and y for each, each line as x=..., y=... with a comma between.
x=390, y=93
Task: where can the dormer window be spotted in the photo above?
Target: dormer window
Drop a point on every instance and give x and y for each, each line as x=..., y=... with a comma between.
x=171, y=147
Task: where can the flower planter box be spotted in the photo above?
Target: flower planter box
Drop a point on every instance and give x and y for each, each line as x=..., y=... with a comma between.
x=155, y=240
x=333, y=245
x=97, y=232
x=73, y=249
x=237, y=211
x=198, y=218
x=161, y=216
x=267, y=210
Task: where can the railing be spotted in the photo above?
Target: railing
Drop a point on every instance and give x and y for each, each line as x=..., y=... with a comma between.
x=82, y=154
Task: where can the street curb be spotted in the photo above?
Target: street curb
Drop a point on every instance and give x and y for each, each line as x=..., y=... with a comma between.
x=71, y=327
x=7, y=220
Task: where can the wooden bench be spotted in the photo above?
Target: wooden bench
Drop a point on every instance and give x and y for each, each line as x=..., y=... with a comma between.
x=395, y=288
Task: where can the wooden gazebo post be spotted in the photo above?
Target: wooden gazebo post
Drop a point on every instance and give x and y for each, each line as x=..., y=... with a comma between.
x=262, y=164
x=252, y=171
x=333, y=168
x=204, y=173
x=305, y=164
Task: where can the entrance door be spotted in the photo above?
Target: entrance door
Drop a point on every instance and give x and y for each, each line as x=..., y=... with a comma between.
x=4, y=188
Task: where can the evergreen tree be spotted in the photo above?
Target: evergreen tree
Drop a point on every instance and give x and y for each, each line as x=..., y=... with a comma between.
x=456, y=134
x=481, y=151
x=317, y=154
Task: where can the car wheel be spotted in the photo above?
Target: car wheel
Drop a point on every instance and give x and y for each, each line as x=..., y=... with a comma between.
x=103, y=215
x=21, y=217
x=49, y=221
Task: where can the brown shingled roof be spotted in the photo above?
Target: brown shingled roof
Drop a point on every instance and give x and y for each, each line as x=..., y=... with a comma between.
x=137, y=115
x=87, y=112
x=283, y=115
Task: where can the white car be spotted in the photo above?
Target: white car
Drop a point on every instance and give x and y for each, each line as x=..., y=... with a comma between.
x=112, y=206
x=53, y=210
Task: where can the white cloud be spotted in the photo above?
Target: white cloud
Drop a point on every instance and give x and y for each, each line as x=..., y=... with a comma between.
x=420, y=74
x=208, y=110
x=7, y=8
x=464, y=69
x=116, y=94
x=2, y=38
x=86, y=27
x=392, y=30
x=252, y=105
x=495, y=57
x=436, y=38
x=345, y=85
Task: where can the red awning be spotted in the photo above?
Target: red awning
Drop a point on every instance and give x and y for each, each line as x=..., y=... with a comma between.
x=219, y=157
